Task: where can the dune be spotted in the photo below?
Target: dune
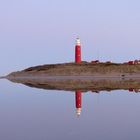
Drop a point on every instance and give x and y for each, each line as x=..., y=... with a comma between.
x=83, y=69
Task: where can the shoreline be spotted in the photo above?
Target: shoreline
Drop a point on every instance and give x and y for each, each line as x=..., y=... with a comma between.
x=2, y=77
x=80, y=77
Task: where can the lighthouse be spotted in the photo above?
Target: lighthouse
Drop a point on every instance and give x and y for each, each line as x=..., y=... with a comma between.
x=78, y=102
x=78, y=51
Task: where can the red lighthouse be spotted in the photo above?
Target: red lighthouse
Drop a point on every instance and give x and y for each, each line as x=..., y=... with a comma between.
x=78, y=51
x=78, y=102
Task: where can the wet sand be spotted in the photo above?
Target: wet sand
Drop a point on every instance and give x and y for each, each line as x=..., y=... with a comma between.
x=81, y=77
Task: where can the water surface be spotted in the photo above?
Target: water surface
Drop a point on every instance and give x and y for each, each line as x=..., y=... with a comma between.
x=37, y=114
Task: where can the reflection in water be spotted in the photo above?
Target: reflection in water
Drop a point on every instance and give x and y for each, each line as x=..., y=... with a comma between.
x=33, y=116
x=134, y=90
x=94, y=85
x=78, y=101
x=79, y=86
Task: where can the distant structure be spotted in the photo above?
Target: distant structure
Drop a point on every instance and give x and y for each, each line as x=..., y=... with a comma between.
x=78, y=51
x=78, y=102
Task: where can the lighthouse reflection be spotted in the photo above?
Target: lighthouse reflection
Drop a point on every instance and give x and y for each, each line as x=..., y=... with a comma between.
x=78, y=102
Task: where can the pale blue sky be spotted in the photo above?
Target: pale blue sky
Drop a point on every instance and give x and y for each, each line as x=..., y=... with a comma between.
x=34, y=32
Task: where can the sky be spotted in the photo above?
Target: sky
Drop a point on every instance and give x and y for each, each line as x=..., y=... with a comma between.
x=34, y=32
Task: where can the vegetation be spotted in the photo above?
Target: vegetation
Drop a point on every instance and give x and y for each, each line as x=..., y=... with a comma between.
x=80, y=69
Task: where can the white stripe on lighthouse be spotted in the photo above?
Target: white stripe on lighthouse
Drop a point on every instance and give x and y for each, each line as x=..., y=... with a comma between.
x=78, y=41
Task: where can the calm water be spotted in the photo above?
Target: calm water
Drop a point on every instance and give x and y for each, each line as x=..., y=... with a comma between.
x=36, y=114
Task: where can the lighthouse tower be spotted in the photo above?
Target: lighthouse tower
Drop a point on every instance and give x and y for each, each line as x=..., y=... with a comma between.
x=78, y=102
x=78, y=51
